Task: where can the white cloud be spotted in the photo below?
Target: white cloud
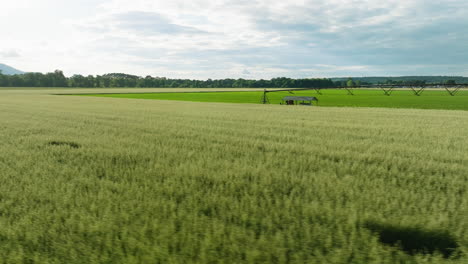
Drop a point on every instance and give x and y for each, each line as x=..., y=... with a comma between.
x=11, y=53
x=217, y=39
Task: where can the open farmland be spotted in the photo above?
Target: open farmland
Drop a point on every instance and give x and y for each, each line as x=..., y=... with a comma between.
x=111, y=180
x=403, y=98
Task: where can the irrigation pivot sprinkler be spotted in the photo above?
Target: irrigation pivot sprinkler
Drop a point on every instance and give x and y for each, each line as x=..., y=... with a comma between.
x=418, y=91
x=265, y=100
x=265, y=97
x=387, y=91
x=350, y=90
x=454, y=91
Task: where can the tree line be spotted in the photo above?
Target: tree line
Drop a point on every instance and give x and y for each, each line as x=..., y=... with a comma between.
x=58, y=79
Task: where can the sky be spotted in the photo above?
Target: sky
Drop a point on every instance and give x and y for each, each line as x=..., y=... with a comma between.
x=250, y=39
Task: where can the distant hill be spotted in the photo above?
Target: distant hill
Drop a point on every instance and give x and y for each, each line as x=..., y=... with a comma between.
x=7, y=70
x=428, y=79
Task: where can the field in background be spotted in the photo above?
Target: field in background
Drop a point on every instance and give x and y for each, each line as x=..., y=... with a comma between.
x=430, y=99
x=107, y=180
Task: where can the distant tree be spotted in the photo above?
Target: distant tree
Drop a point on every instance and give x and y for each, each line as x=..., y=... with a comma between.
x=106, y=81
x=59, y=79
x=16, y=81
x=350, y=83
x=77, y=80
x=3, y=80
x=450, y=82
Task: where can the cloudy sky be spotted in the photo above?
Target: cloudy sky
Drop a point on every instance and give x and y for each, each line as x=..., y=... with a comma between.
x=237, y=39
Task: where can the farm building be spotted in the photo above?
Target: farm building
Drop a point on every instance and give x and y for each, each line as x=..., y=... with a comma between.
x=298, y=100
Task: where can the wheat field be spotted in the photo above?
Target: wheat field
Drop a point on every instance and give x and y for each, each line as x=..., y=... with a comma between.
x=111, y=180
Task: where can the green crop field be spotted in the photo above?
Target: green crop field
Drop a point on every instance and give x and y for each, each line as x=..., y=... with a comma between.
x=112, y=180
x=430, y=99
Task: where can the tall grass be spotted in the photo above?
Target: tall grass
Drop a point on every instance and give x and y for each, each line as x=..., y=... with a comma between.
x=106, y=180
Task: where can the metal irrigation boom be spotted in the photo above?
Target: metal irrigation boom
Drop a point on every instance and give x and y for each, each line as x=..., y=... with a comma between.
x=388, y=89
x=265, y=99
x=454, y=91
x=417, y=89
